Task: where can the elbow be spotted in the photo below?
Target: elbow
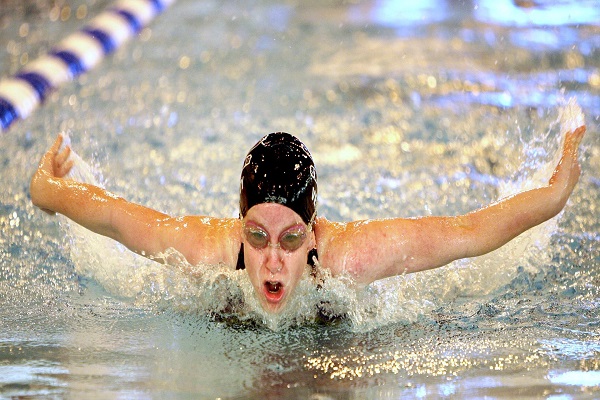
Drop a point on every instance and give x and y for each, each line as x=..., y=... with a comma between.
x=470, y=237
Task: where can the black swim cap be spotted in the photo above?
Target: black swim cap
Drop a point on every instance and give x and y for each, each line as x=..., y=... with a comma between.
x=279, y=169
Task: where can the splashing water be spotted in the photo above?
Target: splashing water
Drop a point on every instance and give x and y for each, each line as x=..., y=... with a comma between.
x=570, y=116
x=221, y=291
x=437, y=117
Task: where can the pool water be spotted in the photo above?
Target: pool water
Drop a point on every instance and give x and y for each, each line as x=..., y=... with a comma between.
x=433, y=108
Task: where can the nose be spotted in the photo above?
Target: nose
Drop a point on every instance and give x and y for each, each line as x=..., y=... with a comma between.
x=274, y=261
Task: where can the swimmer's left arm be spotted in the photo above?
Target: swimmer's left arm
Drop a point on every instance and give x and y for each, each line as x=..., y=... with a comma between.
x=372, y=250
x=491, y=227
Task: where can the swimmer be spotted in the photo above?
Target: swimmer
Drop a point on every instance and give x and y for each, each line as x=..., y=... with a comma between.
x=278, y=230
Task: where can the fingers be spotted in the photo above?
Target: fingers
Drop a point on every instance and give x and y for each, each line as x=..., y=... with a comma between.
x=568, y=169
x=56, y=145
x=571, y=145
x=58, y=160
x=581, y=130
x=62, y=156
x=578, y=134
x=572, y=139
x=53, y=150
x=63, y=169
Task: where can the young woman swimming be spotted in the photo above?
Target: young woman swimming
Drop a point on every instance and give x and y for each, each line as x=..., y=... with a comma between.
x=278, y=230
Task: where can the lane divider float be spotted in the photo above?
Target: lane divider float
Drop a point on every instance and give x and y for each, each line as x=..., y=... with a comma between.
x=76, y=54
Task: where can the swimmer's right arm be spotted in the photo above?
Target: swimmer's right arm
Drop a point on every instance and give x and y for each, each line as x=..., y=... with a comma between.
x=141, y=229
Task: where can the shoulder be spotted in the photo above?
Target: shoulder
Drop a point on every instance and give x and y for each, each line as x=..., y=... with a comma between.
x=323, y=227
x=336, y=244
x=366, y=250
x=334, y=233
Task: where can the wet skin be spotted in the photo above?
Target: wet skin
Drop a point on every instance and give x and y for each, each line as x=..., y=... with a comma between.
x=365, y=250
x=275, y=272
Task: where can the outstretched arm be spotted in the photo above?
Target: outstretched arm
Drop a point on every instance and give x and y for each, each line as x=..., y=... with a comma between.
x=372, y=250
x=497, y=224
x=141, y=229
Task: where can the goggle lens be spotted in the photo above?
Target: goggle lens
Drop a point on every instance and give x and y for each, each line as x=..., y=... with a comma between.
x=290, y=240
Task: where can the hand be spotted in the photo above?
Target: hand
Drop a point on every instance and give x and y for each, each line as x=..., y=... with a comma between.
x=566, y=174
x=54, y=164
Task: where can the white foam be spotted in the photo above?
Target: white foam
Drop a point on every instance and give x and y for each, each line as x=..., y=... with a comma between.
x=403, y=299
x=570, y=116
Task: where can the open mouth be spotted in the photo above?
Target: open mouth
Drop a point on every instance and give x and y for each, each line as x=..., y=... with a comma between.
x=273, y=290
x=273, y=287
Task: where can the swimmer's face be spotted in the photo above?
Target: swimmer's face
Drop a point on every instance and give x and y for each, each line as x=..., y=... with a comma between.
x=275, y=268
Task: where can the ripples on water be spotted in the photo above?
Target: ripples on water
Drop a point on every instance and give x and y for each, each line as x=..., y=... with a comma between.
x=432, y=113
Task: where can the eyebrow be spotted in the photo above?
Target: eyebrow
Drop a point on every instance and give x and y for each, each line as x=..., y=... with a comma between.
x=261, y=226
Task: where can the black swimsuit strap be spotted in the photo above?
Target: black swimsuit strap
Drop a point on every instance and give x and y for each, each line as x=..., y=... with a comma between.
x=240, y=261
x=312, y=254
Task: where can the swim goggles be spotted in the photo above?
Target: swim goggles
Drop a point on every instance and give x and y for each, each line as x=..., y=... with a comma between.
x=289, y=240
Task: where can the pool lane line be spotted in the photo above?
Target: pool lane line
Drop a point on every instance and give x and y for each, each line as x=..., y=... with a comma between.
x=74, y=55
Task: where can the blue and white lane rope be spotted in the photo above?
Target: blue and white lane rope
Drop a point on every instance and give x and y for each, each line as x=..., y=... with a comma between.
x=76, y=54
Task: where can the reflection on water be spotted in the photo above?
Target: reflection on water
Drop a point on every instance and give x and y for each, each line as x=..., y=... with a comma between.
x=538, y=12
x=434, y=108
x=401, y=14
x=515, y=13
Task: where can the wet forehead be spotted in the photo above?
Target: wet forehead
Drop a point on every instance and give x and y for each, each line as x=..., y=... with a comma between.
x=273, y=217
